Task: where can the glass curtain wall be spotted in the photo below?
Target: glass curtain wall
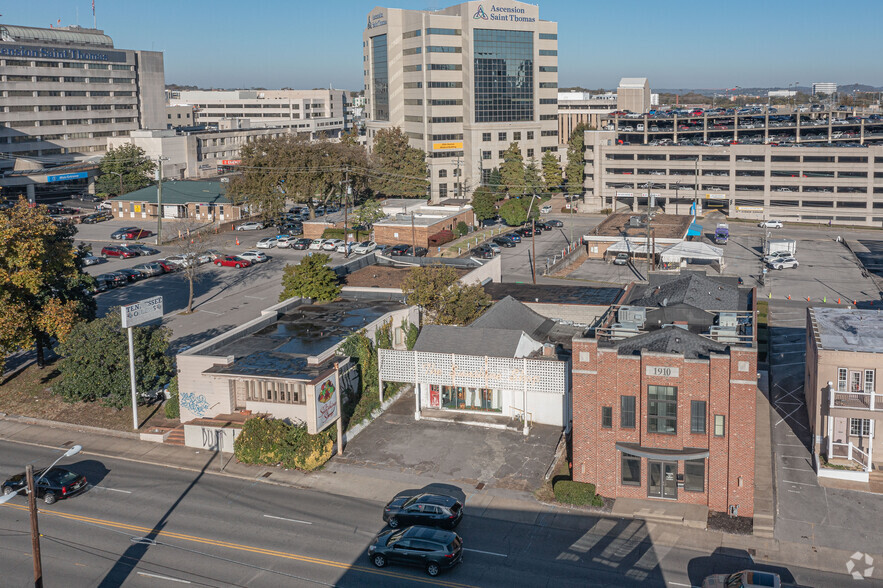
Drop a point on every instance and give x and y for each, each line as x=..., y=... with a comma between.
x=504, y=79
x=380, y=81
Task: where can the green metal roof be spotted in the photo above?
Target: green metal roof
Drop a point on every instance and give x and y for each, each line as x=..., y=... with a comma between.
x=179, y=193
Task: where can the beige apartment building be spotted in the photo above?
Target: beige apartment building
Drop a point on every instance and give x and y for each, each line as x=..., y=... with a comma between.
x=265, y=108
x=844, y=350
x=64, y=91
x=463, y=83
x=841, y=185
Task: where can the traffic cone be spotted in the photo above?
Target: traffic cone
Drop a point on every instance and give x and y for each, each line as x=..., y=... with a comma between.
x=237, y=240
x=838, y=301
x=769, y=295
x=825, y=299
x=789, y=297
x=807, y=298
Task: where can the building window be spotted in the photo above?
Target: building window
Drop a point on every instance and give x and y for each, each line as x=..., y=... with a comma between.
x=607, y=417
x=697, y=416
x=501, y=136
x=380, y=80
x=442, y=190
x=549, y=36
x=662, y=409
x=548, y=52
x=631, y=470
x=516, y=136
x=842, y=374
x=530, y=135
x=529, y=153
x=485, y=136
x=860, y=427
x=503, y=70
x=442, y=173
x=694, y=475
x=869, y=381
x=627, y=412
x=485, y=155
x=719, y=425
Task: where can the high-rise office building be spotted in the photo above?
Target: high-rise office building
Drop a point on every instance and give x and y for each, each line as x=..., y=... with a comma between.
x=463, y=83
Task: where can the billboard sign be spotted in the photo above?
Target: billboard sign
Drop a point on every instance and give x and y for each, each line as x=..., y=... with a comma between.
x=66, y=177
x=142, y=311
x=326, y=403
x=451, y=145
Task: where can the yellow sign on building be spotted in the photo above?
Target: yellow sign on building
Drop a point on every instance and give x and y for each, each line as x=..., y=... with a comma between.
x=137, y=208
x=437, y=146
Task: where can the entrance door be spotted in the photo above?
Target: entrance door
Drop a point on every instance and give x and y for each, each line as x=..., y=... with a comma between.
x=663, y=479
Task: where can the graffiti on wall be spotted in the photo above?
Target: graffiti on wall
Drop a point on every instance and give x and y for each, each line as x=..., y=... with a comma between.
x=195, y=403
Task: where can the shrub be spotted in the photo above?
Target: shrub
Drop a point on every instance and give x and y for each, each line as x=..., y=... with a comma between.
x=578, y=493
x=173, y=407
x=441, y=238
x=268, y=441
x=607, y=211
x=332, y=234
x=462, y=228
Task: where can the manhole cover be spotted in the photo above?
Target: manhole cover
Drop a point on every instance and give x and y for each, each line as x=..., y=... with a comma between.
x=479, y=486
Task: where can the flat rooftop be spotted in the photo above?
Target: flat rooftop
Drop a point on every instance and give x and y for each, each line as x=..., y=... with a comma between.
x=845, y=329
x=547, y=294
x=665, y=226
x=380, y=276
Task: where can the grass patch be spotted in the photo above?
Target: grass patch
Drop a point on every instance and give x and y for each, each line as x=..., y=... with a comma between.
x=29, y=393
x=578, y=493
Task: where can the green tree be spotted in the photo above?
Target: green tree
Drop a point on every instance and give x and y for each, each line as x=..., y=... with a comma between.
x=368, y=213
x=576, y=164
x=399, y=169
x=95, y=361
x=552, y=174
x=43, y=290
x=533, y=181
x=172, y=406
x=311, y=278
x=513, y=212
x=462, y=228
x=351, y=137
x=484, y=203
x=125, y=169
x=512, y=170
x=411, y=333
x=437, y=290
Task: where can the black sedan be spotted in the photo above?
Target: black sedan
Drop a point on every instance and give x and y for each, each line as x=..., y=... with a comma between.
x=149, y=269
x=399, y=250
x=301, y=244
x=132, y=274
x=57, y=483
x=554, y=223
x=431, y=549
x=96, y=217
x=436, y=510
x=504, y=241
x=140, y=249
x=482, y=252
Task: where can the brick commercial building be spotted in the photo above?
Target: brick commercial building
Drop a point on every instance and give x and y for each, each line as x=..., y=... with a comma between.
x=664, y=395
x=202, y=201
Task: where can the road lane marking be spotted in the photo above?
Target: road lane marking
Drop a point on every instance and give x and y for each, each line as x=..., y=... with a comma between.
x=91, y=487
x=799, y=483
x=240, y=547
x=485, y=552
x=169, y=578
x=291, y=520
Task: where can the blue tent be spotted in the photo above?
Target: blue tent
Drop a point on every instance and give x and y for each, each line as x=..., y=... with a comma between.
x=695, y=230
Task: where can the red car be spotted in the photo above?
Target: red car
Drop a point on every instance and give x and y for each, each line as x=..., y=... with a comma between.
x=114, y=251
x=232, y=261
x=137, y=234
x=166, y=266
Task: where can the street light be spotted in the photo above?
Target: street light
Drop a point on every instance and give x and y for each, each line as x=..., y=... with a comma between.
x=32, y=509
x=121, y=180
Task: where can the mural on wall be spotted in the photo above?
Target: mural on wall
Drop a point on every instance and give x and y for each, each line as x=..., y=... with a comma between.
x=326, y=403
x=195, y=403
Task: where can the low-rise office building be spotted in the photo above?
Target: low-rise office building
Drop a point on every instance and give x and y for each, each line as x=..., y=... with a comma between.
x=639, y=236
x=204, y=202
x=844, y=350
x=665, y=392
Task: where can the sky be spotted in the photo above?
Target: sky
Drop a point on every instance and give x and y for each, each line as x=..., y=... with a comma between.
x=318, y=43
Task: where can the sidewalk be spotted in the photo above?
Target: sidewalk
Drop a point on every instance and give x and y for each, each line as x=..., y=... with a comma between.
x=380, y=485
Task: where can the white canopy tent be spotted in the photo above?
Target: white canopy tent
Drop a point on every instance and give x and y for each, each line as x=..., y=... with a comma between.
x=692, y=250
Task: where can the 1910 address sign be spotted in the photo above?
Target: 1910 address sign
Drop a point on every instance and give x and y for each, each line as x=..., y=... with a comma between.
x=663, y=371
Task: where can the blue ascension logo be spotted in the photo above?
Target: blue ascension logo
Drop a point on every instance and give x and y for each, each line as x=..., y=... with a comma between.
x=480, y=13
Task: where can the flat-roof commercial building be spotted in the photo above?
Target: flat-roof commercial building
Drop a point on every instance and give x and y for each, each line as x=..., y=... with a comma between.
x=463, y=83
x=204, y=202
x=665, y=392
x=575, y=108
x=844, y=351
x=827, y=88
x=633, y=95
x=65, y=91
x=269, y=108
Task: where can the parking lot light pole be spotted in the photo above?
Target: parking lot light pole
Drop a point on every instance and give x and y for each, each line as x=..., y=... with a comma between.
x=32, y=509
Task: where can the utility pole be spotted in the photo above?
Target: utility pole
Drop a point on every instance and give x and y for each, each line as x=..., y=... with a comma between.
x=159, y=201
x=533, y=241
x=459, y=180
x=346, y=243
x=35, y=529
x=413, y=236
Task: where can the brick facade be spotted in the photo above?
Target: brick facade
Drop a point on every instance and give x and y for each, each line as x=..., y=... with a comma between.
x=602, y=376
x=393, y=234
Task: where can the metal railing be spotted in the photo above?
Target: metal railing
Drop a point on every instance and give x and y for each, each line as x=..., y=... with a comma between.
x=859, y=399
x=519, y=415
x=852, y=453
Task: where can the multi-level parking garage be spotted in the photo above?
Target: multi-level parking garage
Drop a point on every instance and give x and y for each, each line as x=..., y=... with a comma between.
x=799, y=183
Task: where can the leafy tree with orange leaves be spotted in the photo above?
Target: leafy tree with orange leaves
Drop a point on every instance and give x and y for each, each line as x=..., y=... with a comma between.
x=43, y=292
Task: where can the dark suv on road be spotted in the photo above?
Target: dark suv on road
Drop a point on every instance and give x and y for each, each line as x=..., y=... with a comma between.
x=432, y=549
x=435, y=510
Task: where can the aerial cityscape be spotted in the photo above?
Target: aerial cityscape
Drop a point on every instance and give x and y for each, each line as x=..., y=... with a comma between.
x=509, y=295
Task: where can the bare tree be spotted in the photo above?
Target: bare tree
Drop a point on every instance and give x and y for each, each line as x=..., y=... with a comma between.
x=193, y=247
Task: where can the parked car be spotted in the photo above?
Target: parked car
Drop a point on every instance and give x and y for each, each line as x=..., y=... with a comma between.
x=93, y=260
x=284, y=241
x=525, y=232
x=784, y=262
x=543, y=226
x=494, y=247
x=120, y=234
x=213, y=254
x=254, y=256
x=50, y=486
x=166, y=266
x=104, y=282
x=744, y=579
x=344, y=248
x=482, y=252
x=364, y=247
x=115, y=251
x=96, y=217
x=775, y=256
x=554, y=223
x=317, y=244
x=432, y=549
x=301, y=244
x=149, y=269
x=141, y=249
x=418, y=252
x=546, y=209
x=266, y=243
x=118, y=278
x=250, y=226
x=176, y=261
x=131, y=274
x=399, y=250
x=514, y=235
x=232, y=261
x=331, y=244
x=771, y=224
x=292, y=229
x=503, y=241
x=136, y=234
x=621, y=259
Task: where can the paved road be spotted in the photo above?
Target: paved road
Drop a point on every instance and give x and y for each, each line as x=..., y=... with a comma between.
x=217, y=531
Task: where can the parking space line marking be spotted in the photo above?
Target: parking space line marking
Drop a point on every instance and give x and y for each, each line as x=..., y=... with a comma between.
x=795, y=456
x=796, y=469
x=485, y=552
x=798, y=483
x=169, y=578
x=92, y=486
x=209, y=312
x=290, y=520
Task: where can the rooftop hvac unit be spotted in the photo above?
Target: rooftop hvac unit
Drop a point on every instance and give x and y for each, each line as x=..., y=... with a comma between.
x=632, y=314
x=635, y=221
x=724, y=334
x=728, y=319
x=623, y=330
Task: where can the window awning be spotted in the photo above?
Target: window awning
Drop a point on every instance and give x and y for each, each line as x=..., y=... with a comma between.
x=662, y=453
x=695, y=230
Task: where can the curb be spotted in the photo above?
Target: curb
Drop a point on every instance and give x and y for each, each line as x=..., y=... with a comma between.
x=69, y=426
